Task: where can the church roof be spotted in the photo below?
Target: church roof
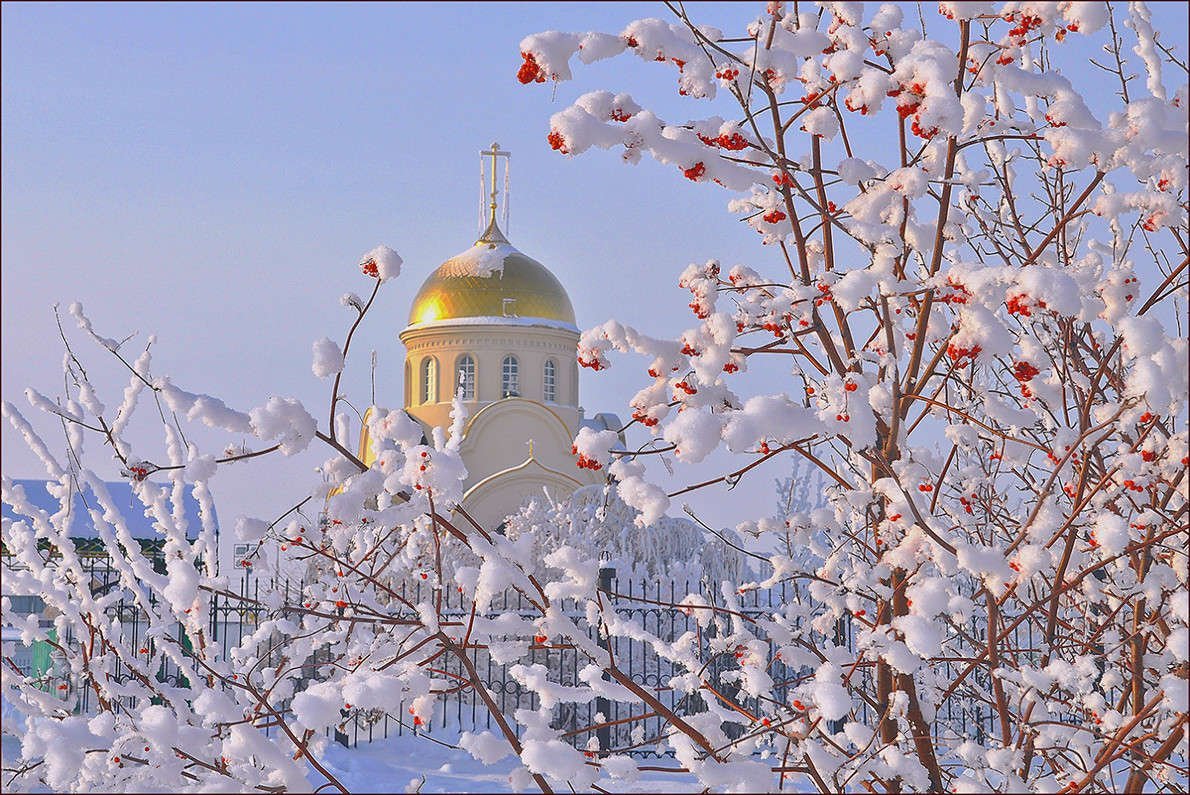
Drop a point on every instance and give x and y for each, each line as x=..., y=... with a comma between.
x=494, y=281
x=82, y=527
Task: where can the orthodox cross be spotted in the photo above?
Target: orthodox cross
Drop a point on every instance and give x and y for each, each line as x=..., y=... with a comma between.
x=495, y=153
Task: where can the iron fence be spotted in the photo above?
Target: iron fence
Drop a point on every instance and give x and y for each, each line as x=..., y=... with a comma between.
x=616, y=726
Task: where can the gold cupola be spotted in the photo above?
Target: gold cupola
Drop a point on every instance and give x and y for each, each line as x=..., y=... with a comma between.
x=494, y=281
x=491, y=282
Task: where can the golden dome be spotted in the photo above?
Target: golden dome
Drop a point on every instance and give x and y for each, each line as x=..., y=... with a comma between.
x=492, y=279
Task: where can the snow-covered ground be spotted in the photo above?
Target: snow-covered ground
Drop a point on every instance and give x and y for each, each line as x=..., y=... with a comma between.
x=398, y=764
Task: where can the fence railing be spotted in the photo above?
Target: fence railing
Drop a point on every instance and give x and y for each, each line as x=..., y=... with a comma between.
x=649, y=603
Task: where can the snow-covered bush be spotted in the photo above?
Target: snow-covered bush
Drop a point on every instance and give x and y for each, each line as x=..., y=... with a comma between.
x=600, y=525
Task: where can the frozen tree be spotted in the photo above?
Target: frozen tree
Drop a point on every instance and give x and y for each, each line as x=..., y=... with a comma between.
x=974, y=240
x=597, y=523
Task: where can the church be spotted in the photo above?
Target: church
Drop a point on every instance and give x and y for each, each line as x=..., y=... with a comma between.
x=498, y=326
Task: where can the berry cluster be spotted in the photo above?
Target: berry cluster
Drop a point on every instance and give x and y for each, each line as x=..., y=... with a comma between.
x=592, y=361
x=959, y=353
x=1024, y=372
x=908, y=98
x=695, y=172
x=644, y=419
x=557, y=142
x=530, y=71
x=584, y=462
x=966, y=503
x=1026, y=23
x=862, y=109
x=1019, y=305
x=825, y=289
x=959, y=294
x=1153, y=222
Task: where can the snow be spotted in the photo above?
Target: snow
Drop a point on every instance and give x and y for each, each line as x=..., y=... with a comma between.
x=695, y=434
x=386, y=261
x=285, y=420
x=318, y=705
x=831, y=698
x=328, y=358
x=392, y=764
x=482, y=261
x=485, y=747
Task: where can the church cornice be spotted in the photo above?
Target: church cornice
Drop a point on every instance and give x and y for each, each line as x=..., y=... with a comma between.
x=492, y=320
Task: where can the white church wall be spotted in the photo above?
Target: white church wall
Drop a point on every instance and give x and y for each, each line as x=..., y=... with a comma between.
x=489, y=344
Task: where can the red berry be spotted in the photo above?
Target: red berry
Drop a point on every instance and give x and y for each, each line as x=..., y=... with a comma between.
x=557, y=142
x=530, y=71
x=695, y=172
x=1024, y=372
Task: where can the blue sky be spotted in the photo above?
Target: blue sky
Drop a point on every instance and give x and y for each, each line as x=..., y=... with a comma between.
x=212, y=173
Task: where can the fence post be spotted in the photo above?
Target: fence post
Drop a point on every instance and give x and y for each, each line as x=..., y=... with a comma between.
x=602, y=705
x=843, y=636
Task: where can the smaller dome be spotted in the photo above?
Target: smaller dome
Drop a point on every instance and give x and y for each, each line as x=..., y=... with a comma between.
x=492, y=279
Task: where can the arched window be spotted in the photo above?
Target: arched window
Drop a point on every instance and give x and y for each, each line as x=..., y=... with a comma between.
x=510, y=384
x=465, y=376
x=429, y=380
x=550, y=380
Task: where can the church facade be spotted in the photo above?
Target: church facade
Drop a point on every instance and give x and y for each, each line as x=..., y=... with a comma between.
x=498, y=327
